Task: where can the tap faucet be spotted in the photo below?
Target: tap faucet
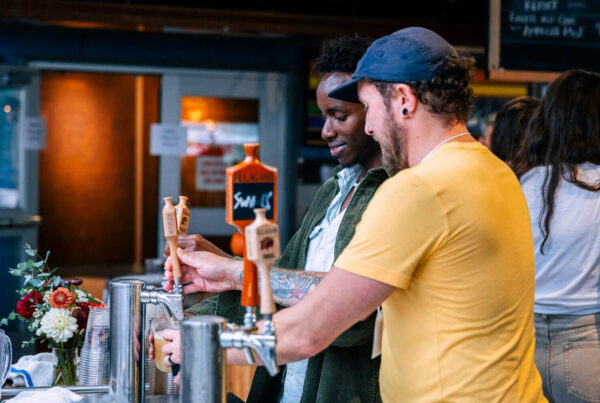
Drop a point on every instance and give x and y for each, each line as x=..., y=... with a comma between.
x=170, y=302
x=204, y=339
x=249, y=327
x=261, y=344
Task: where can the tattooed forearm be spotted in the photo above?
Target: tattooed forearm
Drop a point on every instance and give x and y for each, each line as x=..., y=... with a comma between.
x=291, y=286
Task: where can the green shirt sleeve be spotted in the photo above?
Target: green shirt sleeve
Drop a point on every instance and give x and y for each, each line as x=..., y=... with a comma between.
x=205, y=307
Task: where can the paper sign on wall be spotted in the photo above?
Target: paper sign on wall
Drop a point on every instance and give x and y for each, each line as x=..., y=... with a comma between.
x=210, y=172
x=32, y=134
x=168, y=140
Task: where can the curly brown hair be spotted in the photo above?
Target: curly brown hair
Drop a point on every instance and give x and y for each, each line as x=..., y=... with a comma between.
x=447, y=95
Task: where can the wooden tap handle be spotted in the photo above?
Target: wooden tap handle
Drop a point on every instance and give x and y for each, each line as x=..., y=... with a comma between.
x=170, y=228
x=172, y=241
x=267, y=305
x=249, y=283
x=262, y=248
x=182, y=214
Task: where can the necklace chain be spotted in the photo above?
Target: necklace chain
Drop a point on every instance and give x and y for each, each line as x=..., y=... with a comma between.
x=441, y=143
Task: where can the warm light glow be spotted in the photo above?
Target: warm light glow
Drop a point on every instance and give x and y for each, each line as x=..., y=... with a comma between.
x=197, y=109
x=7, y=108
x=195, y=115
x=210, y=125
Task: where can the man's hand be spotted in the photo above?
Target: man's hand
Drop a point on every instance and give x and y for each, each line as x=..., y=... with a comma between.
x=195, y=242
x=206, y=271
x=172, y=349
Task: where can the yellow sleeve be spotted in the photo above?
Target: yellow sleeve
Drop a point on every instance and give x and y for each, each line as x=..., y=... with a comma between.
x=403, y=224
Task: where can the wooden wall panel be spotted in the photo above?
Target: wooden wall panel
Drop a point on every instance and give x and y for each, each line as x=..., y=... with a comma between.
x=87, y=172
x=150, y=204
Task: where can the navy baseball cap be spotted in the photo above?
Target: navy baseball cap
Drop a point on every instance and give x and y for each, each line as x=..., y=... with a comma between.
x=410, y=54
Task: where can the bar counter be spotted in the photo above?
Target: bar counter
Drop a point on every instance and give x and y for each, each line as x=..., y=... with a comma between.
x=92, y=394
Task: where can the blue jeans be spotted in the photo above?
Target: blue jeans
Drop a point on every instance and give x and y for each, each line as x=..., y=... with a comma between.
x=567, y=355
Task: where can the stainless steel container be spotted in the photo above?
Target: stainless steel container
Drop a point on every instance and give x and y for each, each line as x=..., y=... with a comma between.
x=203, y=367
x=127, y=341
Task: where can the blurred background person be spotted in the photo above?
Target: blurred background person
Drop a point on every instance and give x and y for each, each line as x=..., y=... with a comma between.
x=509, y=127
x=560, y=175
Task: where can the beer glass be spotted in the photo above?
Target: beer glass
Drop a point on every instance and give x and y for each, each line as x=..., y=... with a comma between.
x=158, y=326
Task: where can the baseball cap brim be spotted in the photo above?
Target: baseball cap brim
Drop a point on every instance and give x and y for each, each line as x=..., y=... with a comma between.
x=347, y=92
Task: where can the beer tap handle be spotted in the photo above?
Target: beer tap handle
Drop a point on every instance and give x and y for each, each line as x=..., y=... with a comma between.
x=262, y=247
x=255, y=182
x=171, y=232
x=183, y=215
x=174, y=259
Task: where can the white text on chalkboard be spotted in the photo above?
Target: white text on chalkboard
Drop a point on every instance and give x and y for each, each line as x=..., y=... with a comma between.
x=251, y=202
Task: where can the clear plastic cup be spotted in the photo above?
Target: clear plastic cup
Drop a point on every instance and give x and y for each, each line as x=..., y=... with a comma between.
x=94, y=360
x=158, y=326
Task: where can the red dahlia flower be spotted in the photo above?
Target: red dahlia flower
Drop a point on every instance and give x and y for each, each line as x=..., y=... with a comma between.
x=27, y=305
x=81, y=313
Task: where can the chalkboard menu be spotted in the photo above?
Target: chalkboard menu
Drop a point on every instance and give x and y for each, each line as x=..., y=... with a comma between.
x=248, y=196
x=553, y=35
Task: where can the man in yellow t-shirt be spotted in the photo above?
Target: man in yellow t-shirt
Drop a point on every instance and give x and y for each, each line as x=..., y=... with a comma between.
x=451, y=234
x=445, y=245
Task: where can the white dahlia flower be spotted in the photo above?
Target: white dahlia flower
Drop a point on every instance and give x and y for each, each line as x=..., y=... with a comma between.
x=58, y=325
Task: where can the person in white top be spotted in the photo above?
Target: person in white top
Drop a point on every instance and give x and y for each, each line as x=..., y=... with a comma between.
x=559, y=169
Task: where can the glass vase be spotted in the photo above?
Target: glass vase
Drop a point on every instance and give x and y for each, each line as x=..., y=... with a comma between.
x=65, y=366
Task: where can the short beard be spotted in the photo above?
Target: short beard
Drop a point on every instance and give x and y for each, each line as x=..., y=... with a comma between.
x=369, y=149
x=395, y=159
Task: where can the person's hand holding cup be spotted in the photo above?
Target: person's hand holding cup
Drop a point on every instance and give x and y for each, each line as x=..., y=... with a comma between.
x=163, y=336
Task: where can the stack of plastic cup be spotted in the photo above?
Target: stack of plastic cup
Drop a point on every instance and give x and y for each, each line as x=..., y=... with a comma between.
x=150, y=371
x=94, y=361
x=164, y=383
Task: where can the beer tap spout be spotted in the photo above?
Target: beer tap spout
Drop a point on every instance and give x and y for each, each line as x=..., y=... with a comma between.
x=170, y=302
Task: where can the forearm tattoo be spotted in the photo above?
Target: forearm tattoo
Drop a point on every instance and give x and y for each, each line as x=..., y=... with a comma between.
x=291, y=286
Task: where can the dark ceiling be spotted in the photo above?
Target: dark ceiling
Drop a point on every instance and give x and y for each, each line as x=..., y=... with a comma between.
x=462, y=22
x=448, y=11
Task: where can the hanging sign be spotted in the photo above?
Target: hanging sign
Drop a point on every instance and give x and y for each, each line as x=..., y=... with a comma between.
x=168, y=140
x=32, y=134
x=210, y=173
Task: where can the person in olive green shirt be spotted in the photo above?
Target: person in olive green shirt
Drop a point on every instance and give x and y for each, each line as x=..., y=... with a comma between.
x=344, y=371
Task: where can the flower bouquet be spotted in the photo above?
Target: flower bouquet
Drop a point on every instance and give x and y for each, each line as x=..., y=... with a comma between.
x=55, y=311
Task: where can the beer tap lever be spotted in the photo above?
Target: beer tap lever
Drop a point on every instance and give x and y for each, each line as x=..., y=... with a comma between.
x=262, y=248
